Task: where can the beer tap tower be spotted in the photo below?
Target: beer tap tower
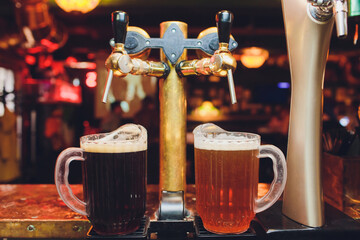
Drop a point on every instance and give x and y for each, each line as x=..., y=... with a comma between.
x=130, y=45
x=308, y=27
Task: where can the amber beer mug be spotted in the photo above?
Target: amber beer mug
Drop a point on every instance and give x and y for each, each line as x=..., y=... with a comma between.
x=114, y=179
x=227, y=175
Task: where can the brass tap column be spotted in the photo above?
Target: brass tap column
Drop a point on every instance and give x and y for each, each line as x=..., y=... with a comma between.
x=173, y=43
x=172, y=122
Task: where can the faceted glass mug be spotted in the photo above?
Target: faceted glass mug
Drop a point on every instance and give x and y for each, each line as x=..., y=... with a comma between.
x=227, y=175
x=114, y=179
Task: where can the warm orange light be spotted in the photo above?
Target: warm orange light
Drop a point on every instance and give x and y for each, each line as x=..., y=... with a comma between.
x=207, y=109
x=254, y=57
x=82, y=6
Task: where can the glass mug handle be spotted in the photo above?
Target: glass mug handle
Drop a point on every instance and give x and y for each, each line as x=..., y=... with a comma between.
x=62, y=182
x=280, y=172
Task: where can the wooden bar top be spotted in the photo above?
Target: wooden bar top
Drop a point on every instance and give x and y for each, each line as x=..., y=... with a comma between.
x=37, y=211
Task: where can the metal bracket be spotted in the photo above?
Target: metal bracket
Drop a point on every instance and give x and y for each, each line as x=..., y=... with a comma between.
x=173, y=43
x=172, y=206
x=320, y=13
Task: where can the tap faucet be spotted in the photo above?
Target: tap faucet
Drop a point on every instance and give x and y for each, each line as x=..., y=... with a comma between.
x=308, y=48
x=120, y=22
x=222, y=63
x=120, y=62
x=340, y=11
x=323, y=10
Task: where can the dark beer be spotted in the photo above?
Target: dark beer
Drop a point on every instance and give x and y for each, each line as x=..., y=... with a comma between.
x=226, y=185
x=114, y=183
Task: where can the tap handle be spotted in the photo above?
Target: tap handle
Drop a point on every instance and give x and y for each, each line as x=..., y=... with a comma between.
x=224, y=21
x=120, y=22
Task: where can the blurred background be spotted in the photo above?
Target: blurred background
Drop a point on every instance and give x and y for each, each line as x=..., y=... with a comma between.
x=52, y=75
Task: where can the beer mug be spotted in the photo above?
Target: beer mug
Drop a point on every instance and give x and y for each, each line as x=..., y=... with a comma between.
x=114, y=179
x=227, y=175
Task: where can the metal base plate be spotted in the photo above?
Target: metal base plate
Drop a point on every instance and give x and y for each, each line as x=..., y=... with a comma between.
x=202, y=233
x=272, y=224
x=141, y=233
x=172, y=229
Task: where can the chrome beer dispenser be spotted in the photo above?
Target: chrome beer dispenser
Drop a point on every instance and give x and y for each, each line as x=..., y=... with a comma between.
x=130, y=48
x=308, y=28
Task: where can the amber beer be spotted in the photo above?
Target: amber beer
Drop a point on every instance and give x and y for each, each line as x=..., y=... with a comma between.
x=226, y=177
x=226, y=185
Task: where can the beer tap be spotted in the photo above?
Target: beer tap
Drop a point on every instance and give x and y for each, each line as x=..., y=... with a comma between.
x=323, y=10
x=222, y=63
x=120, y=62
x=120, y=21
x=308, y=29
x=132, y=42
x=340, y=12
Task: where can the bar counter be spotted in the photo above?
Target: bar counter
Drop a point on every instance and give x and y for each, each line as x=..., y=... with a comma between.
x=36, y=211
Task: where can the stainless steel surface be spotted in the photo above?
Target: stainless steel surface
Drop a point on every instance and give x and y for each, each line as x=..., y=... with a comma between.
x=308, y=44
x=108, y=85
x=340, y=12
x=231, y=86
x=172, y=205
x=323, y=10
x=320, y=12
x=318, y=1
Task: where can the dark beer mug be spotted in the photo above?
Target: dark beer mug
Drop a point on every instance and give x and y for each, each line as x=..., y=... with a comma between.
x=227, y=175
x=114, y=179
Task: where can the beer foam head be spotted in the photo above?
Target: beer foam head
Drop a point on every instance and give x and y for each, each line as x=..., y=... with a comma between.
x=211, y=137
x=127, y=138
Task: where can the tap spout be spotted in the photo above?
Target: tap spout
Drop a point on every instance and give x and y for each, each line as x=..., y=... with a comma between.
x=340, y=12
